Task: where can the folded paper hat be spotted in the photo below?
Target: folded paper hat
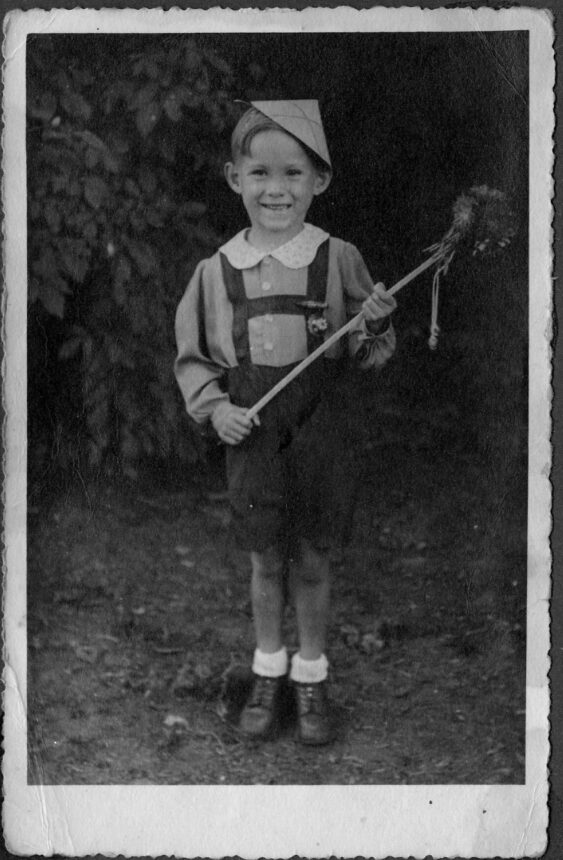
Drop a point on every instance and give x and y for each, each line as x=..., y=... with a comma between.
x=302, y=119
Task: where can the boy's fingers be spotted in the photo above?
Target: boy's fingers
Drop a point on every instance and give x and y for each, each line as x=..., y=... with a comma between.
x=380, y=294
x=232, y=437
x=380, y=289
x=242, y=419
x=374, y=310
x=383, y=297
x=236, y=419
x=242, y=424
x=378, y=304
x=235, y=436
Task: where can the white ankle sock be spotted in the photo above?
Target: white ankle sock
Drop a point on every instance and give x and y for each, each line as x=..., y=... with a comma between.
x=308, y=671
x=270, y=665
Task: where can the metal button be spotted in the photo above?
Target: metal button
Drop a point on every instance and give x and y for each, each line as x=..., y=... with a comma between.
x=266, y=285
x=267, y=261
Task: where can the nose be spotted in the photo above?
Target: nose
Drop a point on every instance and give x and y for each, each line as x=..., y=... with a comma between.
x=275, y=187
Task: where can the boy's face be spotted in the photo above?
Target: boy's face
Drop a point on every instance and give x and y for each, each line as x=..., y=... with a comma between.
x=277, y=183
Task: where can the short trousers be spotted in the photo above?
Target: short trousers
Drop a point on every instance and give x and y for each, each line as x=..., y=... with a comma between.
x=293, y=477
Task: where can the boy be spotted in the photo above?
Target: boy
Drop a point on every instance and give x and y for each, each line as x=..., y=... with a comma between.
x=263, y=302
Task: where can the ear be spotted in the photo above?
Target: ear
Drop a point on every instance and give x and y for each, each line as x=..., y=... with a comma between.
x=232, y=177
x=322, y=181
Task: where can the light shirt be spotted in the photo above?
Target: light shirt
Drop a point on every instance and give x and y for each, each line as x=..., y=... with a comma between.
x=205, y=315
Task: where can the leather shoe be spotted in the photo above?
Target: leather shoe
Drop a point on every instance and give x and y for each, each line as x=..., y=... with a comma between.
x=313, y=718
x=261, y=716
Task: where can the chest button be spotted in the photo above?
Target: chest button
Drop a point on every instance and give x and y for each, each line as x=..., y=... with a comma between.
x=269, y=318
x=266, y=285
x=268, y=345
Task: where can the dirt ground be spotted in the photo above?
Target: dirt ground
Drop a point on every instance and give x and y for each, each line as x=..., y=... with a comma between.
x=140, y=633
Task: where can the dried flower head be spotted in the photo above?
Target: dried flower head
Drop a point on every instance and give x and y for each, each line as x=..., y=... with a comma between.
x=497, y=223
x=483, y=219
x=463, y=210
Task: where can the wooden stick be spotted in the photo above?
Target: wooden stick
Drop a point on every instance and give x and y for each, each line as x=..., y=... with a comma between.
x=435, y=258
x=254, y=410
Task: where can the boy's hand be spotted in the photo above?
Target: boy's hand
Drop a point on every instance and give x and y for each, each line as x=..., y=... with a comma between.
x=231, y=424
x=378, y=306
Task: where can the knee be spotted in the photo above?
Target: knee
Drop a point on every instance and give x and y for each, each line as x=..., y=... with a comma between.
x=267, y=565
x=312, y=568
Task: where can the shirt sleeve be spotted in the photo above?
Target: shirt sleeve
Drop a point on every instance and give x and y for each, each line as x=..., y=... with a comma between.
x=369, y=350
x=204, y=342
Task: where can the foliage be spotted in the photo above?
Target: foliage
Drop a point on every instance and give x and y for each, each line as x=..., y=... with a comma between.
x=120, y=146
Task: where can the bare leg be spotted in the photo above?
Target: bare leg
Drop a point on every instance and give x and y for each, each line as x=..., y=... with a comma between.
x=267, y=599
x=260, y=718
x=310, y=584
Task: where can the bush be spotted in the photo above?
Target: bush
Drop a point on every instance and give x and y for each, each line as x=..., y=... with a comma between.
x=121, y=144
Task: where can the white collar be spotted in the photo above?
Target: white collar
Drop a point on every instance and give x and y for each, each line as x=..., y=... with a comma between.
x=295, y=254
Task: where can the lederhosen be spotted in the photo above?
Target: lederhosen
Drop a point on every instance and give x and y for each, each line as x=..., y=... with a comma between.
x=281, y=481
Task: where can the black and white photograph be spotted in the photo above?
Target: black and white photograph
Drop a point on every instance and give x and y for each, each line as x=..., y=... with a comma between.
x=277, y=396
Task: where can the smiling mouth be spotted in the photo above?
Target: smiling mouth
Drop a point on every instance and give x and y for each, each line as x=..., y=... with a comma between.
x=276, y=207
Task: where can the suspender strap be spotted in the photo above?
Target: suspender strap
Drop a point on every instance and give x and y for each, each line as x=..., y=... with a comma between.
x=201, y=331
x=237, y=297
x=244, y=308
x=317, y=275
x=316, y=287
x=281, y=304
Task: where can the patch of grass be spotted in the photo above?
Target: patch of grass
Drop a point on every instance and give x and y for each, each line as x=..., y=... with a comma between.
x=140, y=635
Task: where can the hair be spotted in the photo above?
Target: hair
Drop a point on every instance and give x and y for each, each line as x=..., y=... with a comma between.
x=251, y=123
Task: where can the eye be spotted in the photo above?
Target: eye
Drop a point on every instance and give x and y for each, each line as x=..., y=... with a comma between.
x=294, y=171
x=258, y=171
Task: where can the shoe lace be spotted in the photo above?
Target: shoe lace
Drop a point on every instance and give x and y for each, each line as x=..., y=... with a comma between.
x=263, y=693
x=311, y=699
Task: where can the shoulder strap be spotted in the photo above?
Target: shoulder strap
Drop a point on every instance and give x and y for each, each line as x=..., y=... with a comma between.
x=316, y=286
x=237, y=296
x=318, y=273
